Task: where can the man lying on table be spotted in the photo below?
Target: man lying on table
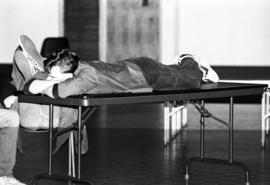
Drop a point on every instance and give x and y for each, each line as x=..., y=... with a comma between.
x=130, y=75
x=139, y=74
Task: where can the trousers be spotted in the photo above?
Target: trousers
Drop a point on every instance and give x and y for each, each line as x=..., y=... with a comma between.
x=9, y=125
x=186, y=75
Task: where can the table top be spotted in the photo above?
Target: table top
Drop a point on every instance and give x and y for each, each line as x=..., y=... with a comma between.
x=206, y=91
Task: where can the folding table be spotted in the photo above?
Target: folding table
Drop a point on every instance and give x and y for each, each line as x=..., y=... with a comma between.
x=196, y=96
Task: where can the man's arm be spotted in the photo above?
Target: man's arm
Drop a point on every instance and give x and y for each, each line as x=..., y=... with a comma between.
x=41, y=82
x=82, y=82
x=38, y=86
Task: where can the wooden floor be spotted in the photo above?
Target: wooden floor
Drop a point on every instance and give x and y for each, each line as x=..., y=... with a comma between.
x=127, y=154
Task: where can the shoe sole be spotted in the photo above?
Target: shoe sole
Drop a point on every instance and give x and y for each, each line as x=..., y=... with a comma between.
x=23, y=65
x=30, y=52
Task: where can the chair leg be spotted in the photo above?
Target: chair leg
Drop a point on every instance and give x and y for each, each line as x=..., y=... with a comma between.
x=166, y=123
x=175, y=118
x=73, y=154
x=267, y=120
x=184, y=116
x=71, y=161
x=263, y=119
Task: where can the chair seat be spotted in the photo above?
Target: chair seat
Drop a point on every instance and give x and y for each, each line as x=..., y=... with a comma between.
x=53, y=45
x=39, y=130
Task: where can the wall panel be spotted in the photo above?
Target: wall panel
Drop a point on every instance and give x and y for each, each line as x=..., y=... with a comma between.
x=81, y=27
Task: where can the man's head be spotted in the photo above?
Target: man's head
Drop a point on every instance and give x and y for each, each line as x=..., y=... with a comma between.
x=62, y=62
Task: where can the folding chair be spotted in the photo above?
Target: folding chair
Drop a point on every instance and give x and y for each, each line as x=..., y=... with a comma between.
x=53, y=44
x=71, y=145
x=175, y=114
x=53, y=134
x=175, y=119
x=265, y=113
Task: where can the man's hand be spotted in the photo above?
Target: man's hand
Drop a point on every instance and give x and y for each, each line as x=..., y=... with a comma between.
x=9, y=101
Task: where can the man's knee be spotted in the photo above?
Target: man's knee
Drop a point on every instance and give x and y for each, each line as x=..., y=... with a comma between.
x=14, y=118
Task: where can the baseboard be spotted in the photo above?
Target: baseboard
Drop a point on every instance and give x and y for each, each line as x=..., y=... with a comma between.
x=246, y=73
x=243, y=72
x=254, y=99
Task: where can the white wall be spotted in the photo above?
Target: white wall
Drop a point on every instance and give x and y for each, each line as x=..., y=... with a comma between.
x=36, y=18
x=103, y=30
x=168, y=30
x=224, y=32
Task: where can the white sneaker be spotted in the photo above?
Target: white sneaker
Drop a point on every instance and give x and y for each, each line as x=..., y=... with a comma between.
x=5, y=180
x=178, y=58
x=30, y=52
x=209, y=75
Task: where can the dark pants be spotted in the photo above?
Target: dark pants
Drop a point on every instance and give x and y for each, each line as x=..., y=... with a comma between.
x=186, y=75
x=9, y=125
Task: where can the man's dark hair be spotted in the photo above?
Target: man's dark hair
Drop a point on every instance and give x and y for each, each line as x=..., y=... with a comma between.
x=67, y=61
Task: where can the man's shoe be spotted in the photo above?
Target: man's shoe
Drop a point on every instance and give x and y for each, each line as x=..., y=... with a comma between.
x=209, y=75
x=30, y=52
x=178, y=58
x=25, y=68
x=5, y=180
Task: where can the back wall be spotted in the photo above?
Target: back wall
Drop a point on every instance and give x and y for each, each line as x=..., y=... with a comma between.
x=223, y=32
x=37, y=19
x=226, y=32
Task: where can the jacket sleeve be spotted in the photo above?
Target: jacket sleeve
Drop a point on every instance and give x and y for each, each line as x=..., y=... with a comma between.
x=27, y=86
x=39, y=76
x=84, y=81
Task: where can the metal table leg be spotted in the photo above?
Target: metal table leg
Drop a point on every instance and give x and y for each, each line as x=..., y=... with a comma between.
x=77, y=179
x=202, y=158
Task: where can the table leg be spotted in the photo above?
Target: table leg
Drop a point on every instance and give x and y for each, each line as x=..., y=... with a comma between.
x=50, y=137
x=79, y=140
x=76, y=180
x=202, y=158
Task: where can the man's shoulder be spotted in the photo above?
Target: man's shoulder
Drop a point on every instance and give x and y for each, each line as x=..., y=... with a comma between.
x=92, y=65
x=85, y=69
x=89, y=63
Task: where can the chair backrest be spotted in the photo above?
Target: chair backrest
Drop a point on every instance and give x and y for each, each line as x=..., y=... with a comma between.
x=53, y=44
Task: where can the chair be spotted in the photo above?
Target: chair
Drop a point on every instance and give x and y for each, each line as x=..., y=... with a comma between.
x=265, y=114
x=72, y=177
x=175, y=119
x=53, y=44
x=71, y=144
